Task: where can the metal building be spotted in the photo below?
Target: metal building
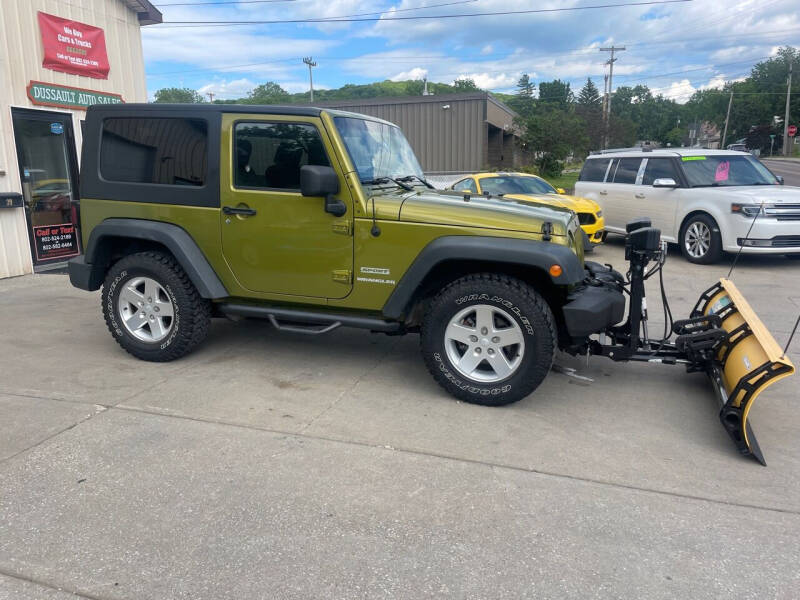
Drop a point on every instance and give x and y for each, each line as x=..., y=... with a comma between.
x=57, y=57
x=451, y=133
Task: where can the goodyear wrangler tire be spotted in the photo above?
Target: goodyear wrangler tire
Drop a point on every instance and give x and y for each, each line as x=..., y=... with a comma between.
x=488, y=339
x=152, y=308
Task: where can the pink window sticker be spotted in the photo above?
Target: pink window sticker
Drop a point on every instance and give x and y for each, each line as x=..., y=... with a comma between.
x=723, y=169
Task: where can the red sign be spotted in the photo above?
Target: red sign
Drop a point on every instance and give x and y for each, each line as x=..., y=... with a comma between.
x=55, y=241
x=792, y=130
x=73, y=47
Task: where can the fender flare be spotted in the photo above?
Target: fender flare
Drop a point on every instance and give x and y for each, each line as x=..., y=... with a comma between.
x=541, y=255
x=88, y=271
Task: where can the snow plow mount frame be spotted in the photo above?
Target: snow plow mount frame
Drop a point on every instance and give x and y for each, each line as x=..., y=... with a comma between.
x=723, y=337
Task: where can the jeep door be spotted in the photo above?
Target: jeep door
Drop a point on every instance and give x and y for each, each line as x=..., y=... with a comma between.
x=276, y=240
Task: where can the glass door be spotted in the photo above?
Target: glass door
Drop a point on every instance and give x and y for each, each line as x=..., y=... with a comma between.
x=49, y=172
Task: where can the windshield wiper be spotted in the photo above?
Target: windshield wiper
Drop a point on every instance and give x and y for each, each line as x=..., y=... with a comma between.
x=418, y=178
x=380, y=180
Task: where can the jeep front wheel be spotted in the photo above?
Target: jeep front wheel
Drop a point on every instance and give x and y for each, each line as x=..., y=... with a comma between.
x=488, y=339
x=152, y=308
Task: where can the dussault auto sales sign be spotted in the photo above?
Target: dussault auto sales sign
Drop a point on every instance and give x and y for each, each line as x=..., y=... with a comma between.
x=73, y=47
x=64, y=96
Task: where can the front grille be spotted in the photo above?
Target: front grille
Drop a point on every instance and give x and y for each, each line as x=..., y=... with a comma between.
x=786, y=241
x=783, y=212
x=779, y=241
x=586, y=219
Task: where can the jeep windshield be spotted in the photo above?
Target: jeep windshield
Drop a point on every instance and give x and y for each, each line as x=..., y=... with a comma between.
x=725, y=170
x=380, y=152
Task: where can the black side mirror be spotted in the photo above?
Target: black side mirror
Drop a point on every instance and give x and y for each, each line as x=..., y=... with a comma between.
x=779, y=178
x=316, y=180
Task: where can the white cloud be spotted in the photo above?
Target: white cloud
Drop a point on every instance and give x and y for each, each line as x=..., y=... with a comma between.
x=680, y=91
x=415, y=73
x=226, y=90
x=487, y=81
x=668, y=39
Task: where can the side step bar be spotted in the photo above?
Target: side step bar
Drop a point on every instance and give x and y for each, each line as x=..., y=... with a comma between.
x=325, y=321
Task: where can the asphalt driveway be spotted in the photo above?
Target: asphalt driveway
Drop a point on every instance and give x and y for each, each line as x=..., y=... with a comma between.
x=271, y=465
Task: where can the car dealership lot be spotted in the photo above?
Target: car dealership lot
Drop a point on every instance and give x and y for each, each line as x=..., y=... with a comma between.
x=272, y=465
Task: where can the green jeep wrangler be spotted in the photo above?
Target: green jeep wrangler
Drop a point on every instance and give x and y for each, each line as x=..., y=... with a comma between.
x=315, y=219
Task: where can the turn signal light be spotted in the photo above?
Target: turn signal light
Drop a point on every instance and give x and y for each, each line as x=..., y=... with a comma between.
x=556, y=270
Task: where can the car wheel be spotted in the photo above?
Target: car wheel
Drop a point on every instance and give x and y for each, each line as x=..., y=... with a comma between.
x=488, y=339
x=152, y=308
x=700, y=240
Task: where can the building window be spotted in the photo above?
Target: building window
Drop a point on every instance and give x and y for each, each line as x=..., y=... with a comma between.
x=161, y=151
x=269, y=155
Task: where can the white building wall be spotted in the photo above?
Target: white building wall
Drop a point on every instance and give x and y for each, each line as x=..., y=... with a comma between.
x=21, y=55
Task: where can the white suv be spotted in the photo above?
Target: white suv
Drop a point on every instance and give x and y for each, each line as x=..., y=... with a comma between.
x=704, y=200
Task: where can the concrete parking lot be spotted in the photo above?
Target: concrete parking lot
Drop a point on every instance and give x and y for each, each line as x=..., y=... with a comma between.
x=271, y=465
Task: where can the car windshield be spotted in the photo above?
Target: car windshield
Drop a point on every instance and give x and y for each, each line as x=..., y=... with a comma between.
x=377, y=150
x=515, y=184
x=725, y=170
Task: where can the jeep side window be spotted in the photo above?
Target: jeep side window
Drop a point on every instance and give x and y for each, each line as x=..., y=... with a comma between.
x=594, y=169
x=269, y=155
x=165, y=151
x=466, y=185
x=659, y=168
x=626, y=170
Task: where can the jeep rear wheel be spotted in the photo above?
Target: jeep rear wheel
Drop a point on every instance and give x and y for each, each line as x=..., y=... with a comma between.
x=488, y=339
x=152, y=308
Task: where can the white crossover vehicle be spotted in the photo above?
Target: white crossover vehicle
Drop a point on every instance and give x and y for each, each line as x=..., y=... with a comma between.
x=707, y=201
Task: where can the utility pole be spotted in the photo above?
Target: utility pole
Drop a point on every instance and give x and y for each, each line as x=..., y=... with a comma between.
x=210, y=96
x=610, y=62
x=786, y=139
x=307, y=60
x=727, y=118
x=605, y=102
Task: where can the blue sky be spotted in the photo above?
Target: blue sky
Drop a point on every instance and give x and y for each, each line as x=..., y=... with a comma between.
x=674, y=48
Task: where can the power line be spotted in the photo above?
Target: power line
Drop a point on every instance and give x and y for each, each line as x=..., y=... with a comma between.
x=356, y=18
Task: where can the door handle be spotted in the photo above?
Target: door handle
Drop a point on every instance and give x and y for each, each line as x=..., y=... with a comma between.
x=239, y=210
x=603, y=193
x=640, y=196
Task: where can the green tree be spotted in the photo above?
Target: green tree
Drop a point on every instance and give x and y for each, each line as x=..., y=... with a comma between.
x=177, y=96
x=589, y=108
x=465, y=84
x=556, y=93
x=525, y=86
x=552, y=135
x=267, y=93
x=589, y=96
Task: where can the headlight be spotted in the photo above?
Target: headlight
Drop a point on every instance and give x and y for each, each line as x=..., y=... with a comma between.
x=747, y=210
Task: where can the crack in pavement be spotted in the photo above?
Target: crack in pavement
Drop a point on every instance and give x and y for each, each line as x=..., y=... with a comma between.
x=98, y=409
x=442, y=456
x=40, y=582
x=358, y=380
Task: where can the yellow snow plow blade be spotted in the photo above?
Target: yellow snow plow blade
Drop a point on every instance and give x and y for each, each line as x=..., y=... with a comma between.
x=748, y=361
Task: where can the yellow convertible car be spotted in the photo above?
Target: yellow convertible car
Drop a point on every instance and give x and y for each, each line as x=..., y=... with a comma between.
x=521, y=186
